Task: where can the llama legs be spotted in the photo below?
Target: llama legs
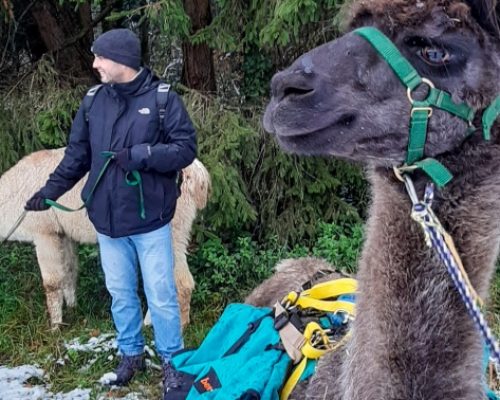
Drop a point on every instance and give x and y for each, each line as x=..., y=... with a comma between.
x=51, y=254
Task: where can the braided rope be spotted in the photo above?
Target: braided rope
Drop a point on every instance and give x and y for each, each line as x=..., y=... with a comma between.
x=436, y=236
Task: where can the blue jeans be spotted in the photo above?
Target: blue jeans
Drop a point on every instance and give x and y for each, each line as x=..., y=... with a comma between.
x=120, y=258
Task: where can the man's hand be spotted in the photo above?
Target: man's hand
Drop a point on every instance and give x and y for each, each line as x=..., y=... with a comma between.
x=122, y=158
x=36, y=203
x=133, y=158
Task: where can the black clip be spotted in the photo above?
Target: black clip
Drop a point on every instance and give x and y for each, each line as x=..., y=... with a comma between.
x=280, y=321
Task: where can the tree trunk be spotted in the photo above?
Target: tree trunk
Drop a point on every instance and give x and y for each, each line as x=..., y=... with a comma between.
x=67, y=35
x=144, y=36
x=198, y=70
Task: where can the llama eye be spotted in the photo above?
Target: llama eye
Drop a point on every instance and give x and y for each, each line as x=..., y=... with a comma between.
x=434, y=55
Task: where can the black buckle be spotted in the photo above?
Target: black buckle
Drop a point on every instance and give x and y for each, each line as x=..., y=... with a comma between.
x=280, y=321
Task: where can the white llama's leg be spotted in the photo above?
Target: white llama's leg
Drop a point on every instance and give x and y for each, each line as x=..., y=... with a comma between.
x=70, y=271
x=50, y=254
x=185, y=285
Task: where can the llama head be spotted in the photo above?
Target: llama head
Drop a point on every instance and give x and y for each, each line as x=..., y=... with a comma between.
x=196, y=183
x=343, y=98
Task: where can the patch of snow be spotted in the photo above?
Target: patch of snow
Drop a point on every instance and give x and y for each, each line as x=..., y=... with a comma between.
x=152, y=365
x=13, y=386
x=107, y=378
x=129, y=396
x=24, y=372
x=149, y=351
x=103, y=343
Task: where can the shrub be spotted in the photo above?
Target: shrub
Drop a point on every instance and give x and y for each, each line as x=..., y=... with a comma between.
x=260, y=191
x=35, y=114
x=226, y=272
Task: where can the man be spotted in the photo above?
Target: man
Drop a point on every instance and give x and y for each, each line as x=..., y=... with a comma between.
x=131, y=212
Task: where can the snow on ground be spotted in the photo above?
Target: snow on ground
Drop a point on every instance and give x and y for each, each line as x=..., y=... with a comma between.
x=13, y=386
x=96, y=344
x=107, y=377
x=14, y=383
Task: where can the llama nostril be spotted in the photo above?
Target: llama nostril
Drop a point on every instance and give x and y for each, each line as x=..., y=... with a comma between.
x=291, y=84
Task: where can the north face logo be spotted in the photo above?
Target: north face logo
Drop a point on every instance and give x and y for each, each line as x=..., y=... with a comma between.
x=145, y=111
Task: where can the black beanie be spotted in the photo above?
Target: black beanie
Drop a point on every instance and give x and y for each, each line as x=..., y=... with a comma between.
x=120, y=45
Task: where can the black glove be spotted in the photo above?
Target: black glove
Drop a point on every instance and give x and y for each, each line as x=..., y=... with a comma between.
x=133, y=158
x=36, y=203
x=122, y=158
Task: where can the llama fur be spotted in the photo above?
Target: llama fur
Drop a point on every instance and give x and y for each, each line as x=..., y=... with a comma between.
x=55, y=233
x=412, y=338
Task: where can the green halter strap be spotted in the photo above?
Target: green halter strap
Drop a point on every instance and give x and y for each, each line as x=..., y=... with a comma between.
x=422, y=109
x=489, y=117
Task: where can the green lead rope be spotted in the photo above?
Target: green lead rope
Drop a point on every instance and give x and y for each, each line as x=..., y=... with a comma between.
x=135, y=180
x=107, y=154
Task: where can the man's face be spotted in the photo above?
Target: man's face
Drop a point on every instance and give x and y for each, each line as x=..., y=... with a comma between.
x=109, y=71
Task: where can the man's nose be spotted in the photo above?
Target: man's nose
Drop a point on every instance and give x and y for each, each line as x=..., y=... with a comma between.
x=95, y=64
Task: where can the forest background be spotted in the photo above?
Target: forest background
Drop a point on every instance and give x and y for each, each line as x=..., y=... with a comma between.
x=265, y=205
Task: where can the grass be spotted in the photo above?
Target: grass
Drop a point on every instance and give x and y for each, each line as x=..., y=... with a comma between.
x=26, y=337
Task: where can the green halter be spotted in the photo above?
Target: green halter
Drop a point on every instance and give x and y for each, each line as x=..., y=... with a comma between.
x=422, y=109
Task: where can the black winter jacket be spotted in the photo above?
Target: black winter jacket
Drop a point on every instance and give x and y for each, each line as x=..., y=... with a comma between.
x=123, y=115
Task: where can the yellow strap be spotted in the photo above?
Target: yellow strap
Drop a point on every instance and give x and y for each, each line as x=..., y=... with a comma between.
x=309, y=353
x=299, y=369
x=293, y=379
x=309, y=350
x=314, y=298
x=333, y=288
x=312, y=352
x=313, y=327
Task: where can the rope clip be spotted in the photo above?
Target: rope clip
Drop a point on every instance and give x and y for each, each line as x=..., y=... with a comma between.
x=410, y=189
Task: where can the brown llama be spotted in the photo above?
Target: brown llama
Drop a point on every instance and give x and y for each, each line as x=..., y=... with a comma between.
x=55, y=233
x=412, y=337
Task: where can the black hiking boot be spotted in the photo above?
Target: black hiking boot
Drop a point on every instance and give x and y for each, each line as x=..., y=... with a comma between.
x=172, y=382
x=127, y=368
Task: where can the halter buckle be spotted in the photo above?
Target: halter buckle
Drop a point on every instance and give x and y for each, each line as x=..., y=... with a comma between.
x=429, y=109
x=427, y=82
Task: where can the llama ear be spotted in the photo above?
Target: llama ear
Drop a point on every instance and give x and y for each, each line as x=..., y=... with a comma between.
x=354, y=18
x=487, y=14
